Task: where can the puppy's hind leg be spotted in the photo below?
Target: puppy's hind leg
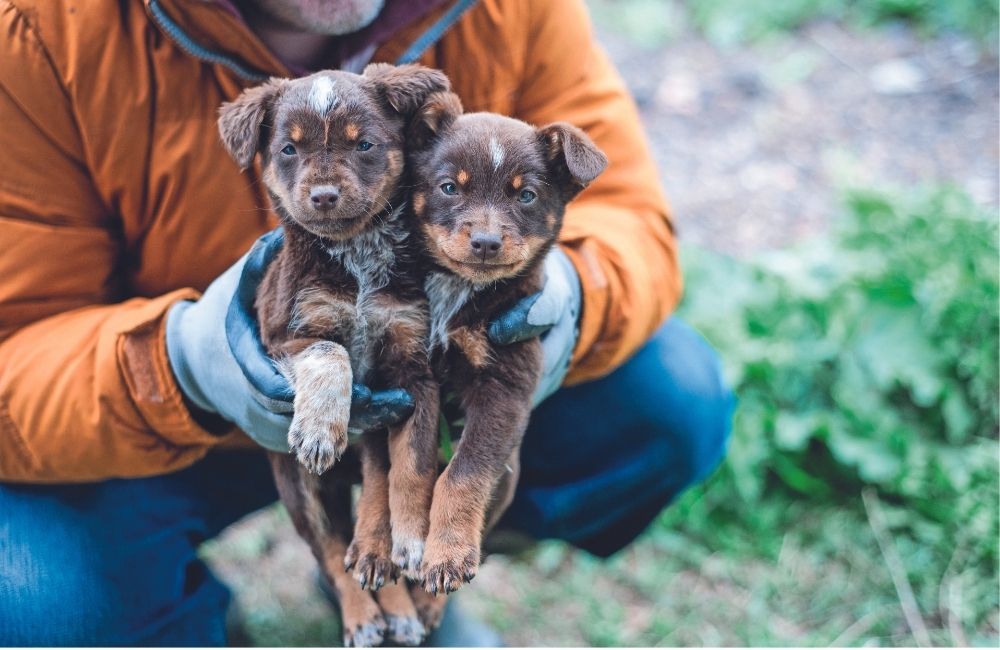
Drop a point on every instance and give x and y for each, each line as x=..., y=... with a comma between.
x=369, y=552
x=430, y=608
x=321, y=512
x=403, y=623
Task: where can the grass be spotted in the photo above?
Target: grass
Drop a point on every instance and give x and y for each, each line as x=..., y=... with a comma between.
x=802, y=575
x=819, y=582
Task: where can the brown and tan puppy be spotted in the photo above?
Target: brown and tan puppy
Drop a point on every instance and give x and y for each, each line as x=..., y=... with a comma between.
x=488, y=198
x=343, y=302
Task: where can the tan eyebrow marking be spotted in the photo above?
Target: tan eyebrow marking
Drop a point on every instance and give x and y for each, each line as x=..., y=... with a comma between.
x=296, y=133
x=418, y=203
x=517, y=182
x=463, y=177
x=550, y=221
x=395, y=158
x=352, y=131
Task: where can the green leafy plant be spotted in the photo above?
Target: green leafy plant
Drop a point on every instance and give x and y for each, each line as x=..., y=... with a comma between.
x=866, y=359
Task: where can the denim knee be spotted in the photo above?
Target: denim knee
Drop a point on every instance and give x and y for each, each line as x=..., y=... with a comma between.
x=601, y=459
x=680, y=427
x=70, y=575
x=698, y=426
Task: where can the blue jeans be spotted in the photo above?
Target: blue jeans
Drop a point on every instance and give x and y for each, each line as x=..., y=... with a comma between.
x=115, y=563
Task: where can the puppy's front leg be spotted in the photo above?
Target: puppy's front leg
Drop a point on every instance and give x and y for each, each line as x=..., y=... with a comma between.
x=412, y=472
x=497, y=406
x=320, y=373
x=403, y=361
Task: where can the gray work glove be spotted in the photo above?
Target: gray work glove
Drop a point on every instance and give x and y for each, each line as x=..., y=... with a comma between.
x=554, y=314
x=221, y=366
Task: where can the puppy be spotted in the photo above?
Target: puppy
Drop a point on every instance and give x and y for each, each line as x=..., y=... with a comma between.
x=343, y=302
x=488, y=198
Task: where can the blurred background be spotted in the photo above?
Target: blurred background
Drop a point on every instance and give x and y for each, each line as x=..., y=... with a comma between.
x=833, y=169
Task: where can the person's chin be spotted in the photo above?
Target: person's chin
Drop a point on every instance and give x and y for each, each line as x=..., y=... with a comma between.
x=332, y=18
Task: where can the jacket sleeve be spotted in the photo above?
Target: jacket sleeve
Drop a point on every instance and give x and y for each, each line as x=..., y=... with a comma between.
x=618, y=232
x=86, y=392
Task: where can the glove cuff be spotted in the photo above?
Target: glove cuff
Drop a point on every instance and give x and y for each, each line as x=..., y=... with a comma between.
x=177, y=355
x=575, y=285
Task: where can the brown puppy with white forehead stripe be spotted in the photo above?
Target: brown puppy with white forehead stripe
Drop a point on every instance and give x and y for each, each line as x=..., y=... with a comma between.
x=488, y=201
x=342, y=301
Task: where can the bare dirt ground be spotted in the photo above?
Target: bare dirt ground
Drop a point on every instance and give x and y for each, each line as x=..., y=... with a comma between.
x=754, y=144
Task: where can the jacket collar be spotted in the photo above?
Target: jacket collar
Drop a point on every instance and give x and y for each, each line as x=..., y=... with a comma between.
x=214, y=31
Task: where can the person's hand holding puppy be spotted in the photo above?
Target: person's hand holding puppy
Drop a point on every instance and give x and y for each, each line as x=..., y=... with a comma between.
x=221, y=366
x=217, y=356
x=553, y=314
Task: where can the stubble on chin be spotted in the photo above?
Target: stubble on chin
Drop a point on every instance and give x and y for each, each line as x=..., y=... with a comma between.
x=330, y=17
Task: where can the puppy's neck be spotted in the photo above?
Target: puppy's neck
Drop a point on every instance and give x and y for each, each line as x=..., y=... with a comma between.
x=448, y=293
x=369, y=256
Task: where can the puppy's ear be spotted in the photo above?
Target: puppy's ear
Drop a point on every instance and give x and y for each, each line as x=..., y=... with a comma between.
x=405, y=88
x=572, y=155
x=437, y=114
x=240, y=120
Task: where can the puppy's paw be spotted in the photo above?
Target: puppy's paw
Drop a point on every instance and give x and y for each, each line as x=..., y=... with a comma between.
x=405, y=630
x=321, y=376
x=430, y=608
x=407, y=555
x=371, y=566
x=447, y=569
x=365, y=634
x=318, y=443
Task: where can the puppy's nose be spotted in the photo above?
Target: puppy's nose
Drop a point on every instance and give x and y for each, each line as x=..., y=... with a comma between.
x=324, y=197
x=485, y=245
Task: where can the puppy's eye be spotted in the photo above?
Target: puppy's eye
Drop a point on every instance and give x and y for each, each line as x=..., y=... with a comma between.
x=289, y=150
x=449, y=188
x=526, y=196
x=364, y=145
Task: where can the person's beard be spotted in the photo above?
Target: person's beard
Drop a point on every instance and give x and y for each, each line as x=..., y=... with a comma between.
x=330, y=17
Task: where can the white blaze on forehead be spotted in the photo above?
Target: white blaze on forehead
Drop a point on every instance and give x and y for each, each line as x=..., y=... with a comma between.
x=496, y=153
x=321, y=96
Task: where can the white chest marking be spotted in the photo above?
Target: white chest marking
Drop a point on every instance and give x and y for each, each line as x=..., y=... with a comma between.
x=370, y=257
x=445, y=294
x=496, y=153
x=321, y=96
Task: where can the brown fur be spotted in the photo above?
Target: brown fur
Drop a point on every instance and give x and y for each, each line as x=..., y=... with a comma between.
x=403, y=622
x=430, y=607
x=337, y=305
x=473, y=343
x=418, y=202
x=485, y=175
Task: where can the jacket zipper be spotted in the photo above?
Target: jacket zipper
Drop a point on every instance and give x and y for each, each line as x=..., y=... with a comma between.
x=186, y=43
